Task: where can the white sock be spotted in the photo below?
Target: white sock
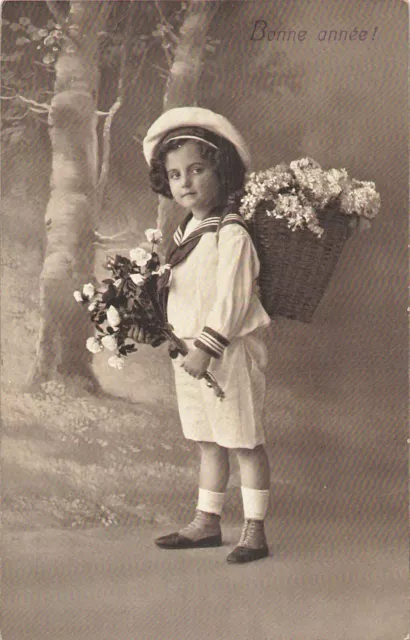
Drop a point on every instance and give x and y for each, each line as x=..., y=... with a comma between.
x=255, y=503
x=210, y=501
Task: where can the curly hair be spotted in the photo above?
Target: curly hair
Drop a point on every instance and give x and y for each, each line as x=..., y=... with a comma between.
x=226, y=161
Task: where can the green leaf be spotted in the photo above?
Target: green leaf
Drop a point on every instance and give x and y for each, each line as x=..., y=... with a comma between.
x=35, y=36
x=12, y=112
x=20, y=42
x=48, y=58
x=16, y=137
x=49, y=40
x=24, y=21
x=12, y=57
x=8, y=76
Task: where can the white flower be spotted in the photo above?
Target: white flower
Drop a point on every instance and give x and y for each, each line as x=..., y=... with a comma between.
x=78, y=296
x=116, y=362
x=109, y=342
x=140, y=256
x=144, y=261
x=94, y=345
x=338, y=174
x=304, y=163
x=113, y=317
x=89, y=290
x=137, y=279
x=92, y=306
x=362, y=199
x=154, y=235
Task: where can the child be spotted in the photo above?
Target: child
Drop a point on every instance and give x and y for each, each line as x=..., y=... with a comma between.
x=199, y=159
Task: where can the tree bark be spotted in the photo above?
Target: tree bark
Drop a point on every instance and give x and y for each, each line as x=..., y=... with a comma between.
x=186, y=70
x=70, y=214
x=182, y=87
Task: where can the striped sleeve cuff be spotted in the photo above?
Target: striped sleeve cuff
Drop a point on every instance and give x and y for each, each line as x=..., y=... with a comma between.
x=212, y=342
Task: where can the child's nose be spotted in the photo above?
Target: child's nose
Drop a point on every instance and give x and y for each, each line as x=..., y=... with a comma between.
x=186, y=179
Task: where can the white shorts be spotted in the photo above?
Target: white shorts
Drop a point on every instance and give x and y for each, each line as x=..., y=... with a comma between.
x=235, y=421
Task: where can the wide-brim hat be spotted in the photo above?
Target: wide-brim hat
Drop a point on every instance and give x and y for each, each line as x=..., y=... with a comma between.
x=184, y=117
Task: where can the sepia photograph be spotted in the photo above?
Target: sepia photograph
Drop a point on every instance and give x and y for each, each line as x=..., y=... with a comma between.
x=204, y=319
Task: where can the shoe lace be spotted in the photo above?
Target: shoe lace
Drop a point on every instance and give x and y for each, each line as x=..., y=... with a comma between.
x=200, y=522
x=251, y=530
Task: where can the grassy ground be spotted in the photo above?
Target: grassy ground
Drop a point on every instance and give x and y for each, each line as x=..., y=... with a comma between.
x=79, y=461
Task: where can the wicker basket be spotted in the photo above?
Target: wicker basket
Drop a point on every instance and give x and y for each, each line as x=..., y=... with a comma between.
x=296, y=266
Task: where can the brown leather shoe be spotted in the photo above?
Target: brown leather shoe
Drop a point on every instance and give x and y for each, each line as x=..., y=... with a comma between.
x=252, y=544
x=178, y=541
x=240, y=555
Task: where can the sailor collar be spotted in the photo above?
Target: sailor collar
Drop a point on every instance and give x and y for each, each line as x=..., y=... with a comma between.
x=181, y=247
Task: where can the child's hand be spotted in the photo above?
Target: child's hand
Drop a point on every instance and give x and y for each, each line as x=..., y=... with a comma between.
x=196, y=363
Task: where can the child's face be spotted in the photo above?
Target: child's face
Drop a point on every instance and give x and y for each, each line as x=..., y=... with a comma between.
x=193, y=181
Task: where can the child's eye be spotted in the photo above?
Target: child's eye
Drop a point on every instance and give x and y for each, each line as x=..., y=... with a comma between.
x=197, y=170
x=173, y=175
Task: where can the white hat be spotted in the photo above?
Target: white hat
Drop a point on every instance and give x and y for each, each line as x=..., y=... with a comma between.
x=182, y=117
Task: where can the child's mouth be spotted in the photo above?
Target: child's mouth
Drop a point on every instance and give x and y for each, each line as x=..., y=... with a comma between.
x=191, y=193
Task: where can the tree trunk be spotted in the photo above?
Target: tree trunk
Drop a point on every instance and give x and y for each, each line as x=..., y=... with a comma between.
x=182, y=86
x=70, y=214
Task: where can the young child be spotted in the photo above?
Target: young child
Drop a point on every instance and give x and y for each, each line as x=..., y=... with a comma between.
x=199, y=159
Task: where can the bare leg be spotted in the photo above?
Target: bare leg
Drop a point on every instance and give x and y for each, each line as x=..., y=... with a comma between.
x=254, y=467
x=214, y=471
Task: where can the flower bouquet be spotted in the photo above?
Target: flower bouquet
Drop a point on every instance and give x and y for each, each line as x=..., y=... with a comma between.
x=300, y=217
x=135, y=296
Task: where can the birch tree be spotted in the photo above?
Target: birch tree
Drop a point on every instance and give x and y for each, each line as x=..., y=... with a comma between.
x=71, y=211
x=185, y=71
x=77, y=183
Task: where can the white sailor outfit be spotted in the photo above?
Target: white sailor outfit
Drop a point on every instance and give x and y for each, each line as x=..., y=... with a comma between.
x=213, y=304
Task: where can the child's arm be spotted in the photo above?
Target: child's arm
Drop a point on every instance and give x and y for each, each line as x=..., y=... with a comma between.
x=238, y=268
